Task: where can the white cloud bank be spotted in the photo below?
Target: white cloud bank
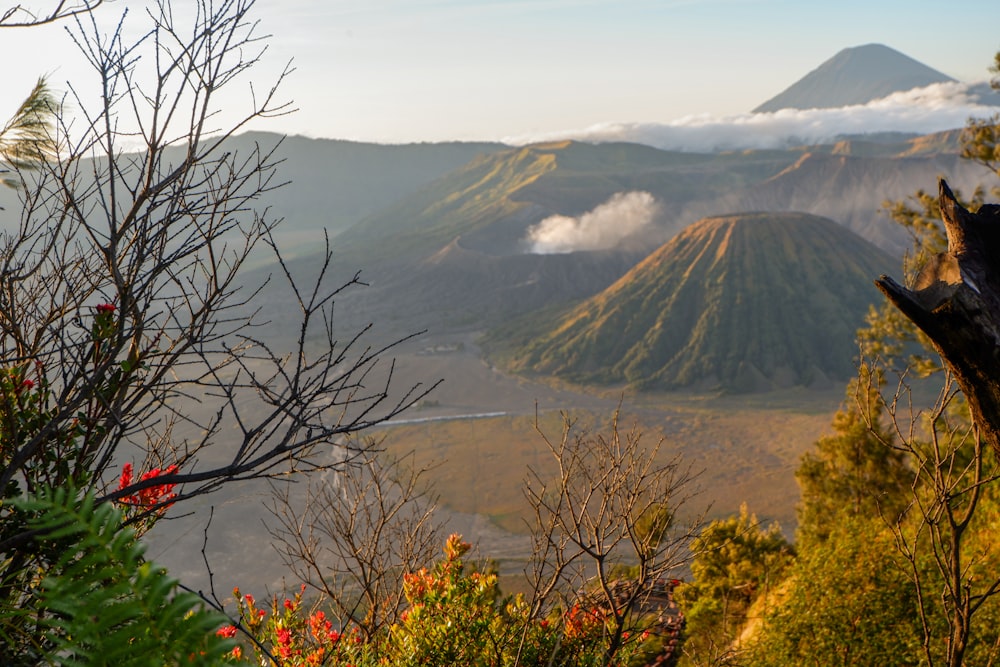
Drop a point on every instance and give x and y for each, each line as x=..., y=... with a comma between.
x=939, y=107
x=624, y=213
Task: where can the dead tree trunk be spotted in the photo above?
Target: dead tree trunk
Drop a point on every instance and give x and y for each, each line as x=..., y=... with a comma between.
x=956, y=302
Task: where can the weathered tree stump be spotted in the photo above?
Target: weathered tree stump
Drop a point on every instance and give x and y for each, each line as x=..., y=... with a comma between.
x=956, y=302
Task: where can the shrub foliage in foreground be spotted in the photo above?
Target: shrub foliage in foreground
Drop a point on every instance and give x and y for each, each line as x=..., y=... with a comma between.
x=456, y=615
x=99, y=602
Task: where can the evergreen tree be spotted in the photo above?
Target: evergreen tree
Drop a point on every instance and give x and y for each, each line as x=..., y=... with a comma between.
x=851, y=474
x=736, y=562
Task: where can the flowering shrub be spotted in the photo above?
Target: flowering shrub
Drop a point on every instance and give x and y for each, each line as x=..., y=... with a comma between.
x=294, y=635
x=452, y=614
x=456, y=616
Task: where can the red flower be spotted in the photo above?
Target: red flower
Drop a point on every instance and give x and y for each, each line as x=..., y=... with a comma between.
x=320, y=626
x=289, y=605
x=284, y=642
x=227, y=631
x=126, y=478
x=27, y=384
x=152, y=496
x=105, y=308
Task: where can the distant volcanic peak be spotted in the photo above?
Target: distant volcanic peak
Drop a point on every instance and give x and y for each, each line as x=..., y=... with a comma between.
x=855, y=76
x=742, y=302
x=710, y=239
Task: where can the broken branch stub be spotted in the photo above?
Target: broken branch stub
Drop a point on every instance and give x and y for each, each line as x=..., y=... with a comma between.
x=955, y=300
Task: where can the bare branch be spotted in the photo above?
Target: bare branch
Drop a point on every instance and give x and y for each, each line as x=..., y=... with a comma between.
x=19, y=16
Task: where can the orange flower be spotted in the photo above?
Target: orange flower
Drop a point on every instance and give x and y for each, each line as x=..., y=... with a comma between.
x=455, y=548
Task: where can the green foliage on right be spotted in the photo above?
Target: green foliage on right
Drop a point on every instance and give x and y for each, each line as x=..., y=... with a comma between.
x=845, y=603
x=851, y=474
x=737, y=562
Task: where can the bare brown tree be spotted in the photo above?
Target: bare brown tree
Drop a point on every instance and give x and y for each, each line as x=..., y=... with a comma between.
x=24, y=16
x=606, y=525
x=951, y=568
x=355, y=532
x=129, y=329
x=952, y=446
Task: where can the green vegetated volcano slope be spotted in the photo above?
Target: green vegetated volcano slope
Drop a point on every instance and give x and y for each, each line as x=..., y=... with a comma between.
x=743, y=302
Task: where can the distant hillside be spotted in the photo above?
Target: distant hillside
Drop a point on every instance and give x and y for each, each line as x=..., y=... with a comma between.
x=491, y=201
x=452, y=254
x=855, y=76
x=333, y=184
x=742, y=302
x=850, y=185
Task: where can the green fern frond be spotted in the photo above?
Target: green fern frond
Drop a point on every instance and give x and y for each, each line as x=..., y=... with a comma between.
x=28, y=138
x=101, y=603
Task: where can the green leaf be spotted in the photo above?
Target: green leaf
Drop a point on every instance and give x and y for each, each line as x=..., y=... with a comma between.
x=101, y=603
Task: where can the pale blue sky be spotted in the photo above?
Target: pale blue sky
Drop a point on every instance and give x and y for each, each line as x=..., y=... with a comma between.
x=426, y=70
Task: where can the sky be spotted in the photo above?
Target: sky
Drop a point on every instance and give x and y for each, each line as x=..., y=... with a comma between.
x=674, y=73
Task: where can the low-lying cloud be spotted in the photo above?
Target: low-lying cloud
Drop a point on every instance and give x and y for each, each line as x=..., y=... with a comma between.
x=935, y=108
x=622, y=215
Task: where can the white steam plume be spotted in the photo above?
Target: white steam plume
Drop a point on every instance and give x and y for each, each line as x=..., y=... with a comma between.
x=624, y=213
x=935, y=108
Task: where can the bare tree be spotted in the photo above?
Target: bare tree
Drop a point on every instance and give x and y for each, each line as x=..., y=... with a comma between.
x=128, y=329
x=606, y=525
x=951, y=568
x=950, y=307
x=355, y=533
x=23, y=16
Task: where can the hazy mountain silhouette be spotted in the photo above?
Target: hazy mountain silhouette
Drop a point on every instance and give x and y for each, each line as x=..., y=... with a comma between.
x=855, y=76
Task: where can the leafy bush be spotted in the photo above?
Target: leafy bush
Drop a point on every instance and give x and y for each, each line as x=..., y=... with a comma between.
x=99, y=602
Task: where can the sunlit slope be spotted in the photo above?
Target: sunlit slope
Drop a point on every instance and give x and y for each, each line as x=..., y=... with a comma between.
x=478, y=194
x=492, y=200
x=742, y=302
